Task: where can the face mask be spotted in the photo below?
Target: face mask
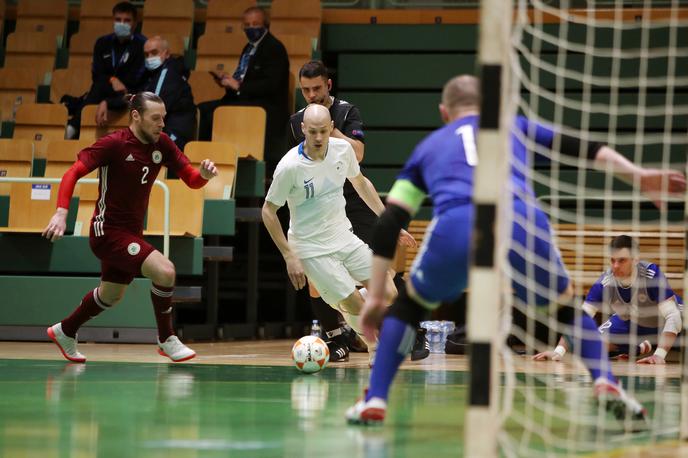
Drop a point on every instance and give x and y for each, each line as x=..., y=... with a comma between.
x=152, y=63
x=254, y=33
x=122, y=29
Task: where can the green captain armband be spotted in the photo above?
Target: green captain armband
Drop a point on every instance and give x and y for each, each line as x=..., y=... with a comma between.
x=407, y=193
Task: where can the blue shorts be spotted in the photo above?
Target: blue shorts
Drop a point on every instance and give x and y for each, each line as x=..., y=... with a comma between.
x=440, y=271
x=615, y=325
x=538, y=274
x=618, y=331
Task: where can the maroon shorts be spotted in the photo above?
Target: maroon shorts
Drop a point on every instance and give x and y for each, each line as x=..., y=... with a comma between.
x=121, y=255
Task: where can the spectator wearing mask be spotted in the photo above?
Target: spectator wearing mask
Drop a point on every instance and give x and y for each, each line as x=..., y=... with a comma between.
x=117, y=68
x=261, y=78
x=167, y=77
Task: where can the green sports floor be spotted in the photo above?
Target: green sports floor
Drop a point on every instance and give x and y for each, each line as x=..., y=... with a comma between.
x=50, y=408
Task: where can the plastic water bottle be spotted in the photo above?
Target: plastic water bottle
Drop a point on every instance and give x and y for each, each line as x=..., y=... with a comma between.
x=15, y=107
x=435, y=337
x=315, y=329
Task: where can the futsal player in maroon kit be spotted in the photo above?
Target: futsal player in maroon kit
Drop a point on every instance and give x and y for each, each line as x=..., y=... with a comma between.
x=129, y=161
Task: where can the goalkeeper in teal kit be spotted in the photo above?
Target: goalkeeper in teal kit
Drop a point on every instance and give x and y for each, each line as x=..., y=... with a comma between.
x=441, y=167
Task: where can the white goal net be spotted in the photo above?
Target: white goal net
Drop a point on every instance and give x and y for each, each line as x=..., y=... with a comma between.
x=603, y=72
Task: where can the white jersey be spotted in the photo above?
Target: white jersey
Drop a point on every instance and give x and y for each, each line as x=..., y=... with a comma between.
x=313, y=191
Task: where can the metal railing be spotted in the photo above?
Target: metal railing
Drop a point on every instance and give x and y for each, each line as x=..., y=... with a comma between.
x=416, y=4
x=374, y=4
x=166, y=200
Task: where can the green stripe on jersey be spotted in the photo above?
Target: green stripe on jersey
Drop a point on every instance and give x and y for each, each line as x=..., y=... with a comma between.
x=406, y=192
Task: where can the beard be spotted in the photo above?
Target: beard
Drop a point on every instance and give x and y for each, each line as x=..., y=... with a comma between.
x=320, y=100
x=149, y=138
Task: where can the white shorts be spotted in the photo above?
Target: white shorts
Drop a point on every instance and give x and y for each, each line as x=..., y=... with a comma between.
x=335, y=275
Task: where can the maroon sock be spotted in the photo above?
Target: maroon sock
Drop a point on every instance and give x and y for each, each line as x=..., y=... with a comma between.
x=90, y=307
x=162, y=306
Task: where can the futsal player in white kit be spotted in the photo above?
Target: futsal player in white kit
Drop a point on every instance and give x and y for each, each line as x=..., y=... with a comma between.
x=321, y=245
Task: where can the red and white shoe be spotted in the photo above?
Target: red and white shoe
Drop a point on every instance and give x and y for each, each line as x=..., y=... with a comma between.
x=371, y=412
x=623, y=406
x=174, y=349
x=644, y=348
x=66, y=344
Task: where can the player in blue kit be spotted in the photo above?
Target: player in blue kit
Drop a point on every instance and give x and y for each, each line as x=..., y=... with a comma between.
x=643, y=303
x=441, y=167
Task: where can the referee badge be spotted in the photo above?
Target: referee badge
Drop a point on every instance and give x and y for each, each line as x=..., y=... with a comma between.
x=134, y=248
x=157, y=156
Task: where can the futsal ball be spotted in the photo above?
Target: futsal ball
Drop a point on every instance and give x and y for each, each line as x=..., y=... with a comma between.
x=310, y=354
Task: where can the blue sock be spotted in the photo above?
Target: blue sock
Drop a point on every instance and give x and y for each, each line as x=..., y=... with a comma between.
x=396, y=341
x=593, y=350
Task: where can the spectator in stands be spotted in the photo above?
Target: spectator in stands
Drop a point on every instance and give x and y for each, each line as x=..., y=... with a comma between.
x=117, y=69
x=644, y=305
x=261, y=78
x=166, y=76
x=315, y=88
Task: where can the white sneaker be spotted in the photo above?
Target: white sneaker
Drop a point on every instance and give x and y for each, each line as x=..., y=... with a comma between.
x=66, y=344
x=371, y=412
x=174, y=349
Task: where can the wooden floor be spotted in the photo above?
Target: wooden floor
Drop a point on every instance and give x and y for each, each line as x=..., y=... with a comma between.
x=278, y=353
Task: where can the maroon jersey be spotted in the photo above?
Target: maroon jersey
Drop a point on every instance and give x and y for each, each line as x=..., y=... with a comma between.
x=128, y=169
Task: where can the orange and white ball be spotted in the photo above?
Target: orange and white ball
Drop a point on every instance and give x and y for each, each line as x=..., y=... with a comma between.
x=310, y=354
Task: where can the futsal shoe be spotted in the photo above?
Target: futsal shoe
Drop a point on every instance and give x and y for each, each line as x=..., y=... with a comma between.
x=339, y=352
x=644, y=348
x=353, y=341
x=371, y=412
x=615, y=400
x=66, y=344
x=174, y=349
x=421, y=348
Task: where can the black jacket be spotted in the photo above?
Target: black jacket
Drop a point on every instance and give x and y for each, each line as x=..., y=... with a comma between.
x=266, y=84
x=169, y=81
x=112, y=58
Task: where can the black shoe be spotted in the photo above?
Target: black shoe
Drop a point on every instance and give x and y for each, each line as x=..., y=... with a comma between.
x=354, y=342
x=339, y=351
x=456, y=342
x=421, y=348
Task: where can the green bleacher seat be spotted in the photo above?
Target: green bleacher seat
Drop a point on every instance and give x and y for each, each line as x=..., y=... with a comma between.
x=406, y=38
x=401, y=71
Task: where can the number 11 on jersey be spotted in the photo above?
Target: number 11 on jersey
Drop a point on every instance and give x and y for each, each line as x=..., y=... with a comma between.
x=309, y=188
